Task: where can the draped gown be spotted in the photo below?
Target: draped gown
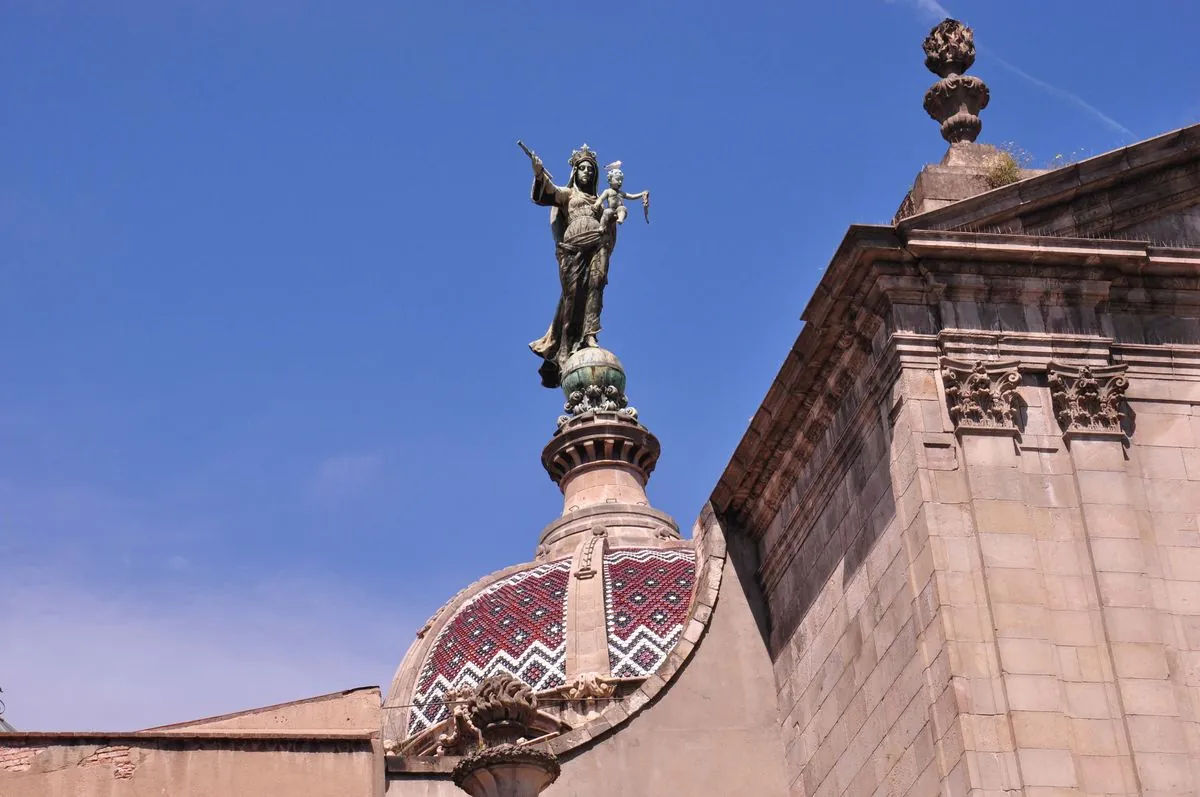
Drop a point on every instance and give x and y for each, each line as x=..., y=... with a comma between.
x=582, y=248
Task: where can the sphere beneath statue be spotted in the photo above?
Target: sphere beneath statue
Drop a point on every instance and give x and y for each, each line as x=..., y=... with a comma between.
x=592, y=366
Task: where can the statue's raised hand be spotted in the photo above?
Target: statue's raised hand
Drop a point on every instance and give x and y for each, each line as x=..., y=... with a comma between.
x=538, y=167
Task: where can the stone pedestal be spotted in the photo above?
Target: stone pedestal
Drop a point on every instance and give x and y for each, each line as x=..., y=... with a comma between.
x=506, y=771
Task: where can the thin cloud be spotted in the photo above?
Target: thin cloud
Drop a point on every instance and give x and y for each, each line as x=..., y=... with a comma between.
x=935, y=11
x=80, y=657
x=344, y=476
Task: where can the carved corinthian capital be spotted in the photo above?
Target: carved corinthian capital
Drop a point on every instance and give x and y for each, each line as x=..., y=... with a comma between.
x=981, y=394
x=1087, y=399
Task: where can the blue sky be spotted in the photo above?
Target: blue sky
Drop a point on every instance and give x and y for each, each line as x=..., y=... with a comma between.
x=269, y=270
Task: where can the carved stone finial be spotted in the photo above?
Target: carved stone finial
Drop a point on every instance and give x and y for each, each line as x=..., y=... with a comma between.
x=981, y=395
x=956, y=99
x=1087, y=399
x=502, y=710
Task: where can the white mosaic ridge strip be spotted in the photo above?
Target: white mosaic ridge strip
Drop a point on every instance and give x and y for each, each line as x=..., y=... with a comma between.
x=625, y=664
x=427, y=706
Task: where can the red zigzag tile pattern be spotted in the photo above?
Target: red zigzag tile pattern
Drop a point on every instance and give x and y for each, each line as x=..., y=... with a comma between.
x=647, y=592
x=514, y=626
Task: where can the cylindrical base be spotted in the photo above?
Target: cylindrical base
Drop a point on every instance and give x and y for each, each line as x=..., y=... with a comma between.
x=603, y=483
x=599, y=458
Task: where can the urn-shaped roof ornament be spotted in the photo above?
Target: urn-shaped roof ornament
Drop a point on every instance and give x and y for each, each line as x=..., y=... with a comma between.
x=956, y=99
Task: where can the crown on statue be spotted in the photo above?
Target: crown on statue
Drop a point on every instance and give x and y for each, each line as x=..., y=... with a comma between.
x=584, y=153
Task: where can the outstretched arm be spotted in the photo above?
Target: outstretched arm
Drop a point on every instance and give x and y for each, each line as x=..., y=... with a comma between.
x=544, y=191
x=639, y=195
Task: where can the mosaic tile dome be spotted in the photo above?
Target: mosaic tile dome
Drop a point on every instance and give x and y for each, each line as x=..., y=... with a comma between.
x=601, y=608
x=646, y=596
x=517, y=625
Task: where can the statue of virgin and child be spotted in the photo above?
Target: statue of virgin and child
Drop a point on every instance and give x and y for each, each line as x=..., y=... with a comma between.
x=585, y=233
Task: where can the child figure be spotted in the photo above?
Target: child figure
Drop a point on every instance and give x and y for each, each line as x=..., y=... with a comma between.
x=614, y=195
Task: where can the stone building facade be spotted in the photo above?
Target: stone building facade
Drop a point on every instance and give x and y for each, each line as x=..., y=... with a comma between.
x=974, y=488
x=956, y=552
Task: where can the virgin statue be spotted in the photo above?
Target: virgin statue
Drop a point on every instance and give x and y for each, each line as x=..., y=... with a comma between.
x=582, y=248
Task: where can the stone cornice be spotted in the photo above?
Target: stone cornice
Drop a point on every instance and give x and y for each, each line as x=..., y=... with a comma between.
x=877, y=268
x=1120, y=256
x=834, y=458
x=1021, y=206
x=833, y=324
x=333, y=742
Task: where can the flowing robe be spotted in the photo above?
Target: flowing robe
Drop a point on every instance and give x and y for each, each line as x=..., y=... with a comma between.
x=582, y=248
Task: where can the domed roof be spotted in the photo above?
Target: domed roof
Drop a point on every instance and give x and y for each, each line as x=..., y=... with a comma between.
x=647, y=592
x=517, y=624
x=599, y=611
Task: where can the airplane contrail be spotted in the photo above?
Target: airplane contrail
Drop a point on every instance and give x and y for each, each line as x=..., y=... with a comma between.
x=932, y=9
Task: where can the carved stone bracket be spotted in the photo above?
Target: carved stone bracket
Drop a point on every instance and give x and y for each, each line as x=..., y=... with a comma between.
x=956, y=100
x=589, y=686
x=981, y=394
x=463, y=736
x=589, y=550
x=1088, y=400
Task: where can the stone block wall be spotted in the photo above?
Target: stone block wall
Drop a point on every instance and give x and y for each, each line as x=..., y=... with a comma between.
x=196, y=763
x=863, y=671
x=997, y=607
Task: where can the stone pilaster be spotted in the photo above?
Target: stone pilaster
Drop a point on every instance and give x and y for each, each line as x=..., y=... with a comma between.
x=587, y=637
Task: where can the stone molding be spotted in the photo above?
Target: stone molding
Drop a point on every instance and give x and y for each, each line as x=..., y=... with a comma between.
x=1087, y=400
x=878, y=274
x=709, y=542
x=658, y=525
x=586, y=627
x=600, y=439
x=1166, y=166
x=587, y=553
x=506, y=770
x=828, y=466
x=31, y=748
x=981, y=396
